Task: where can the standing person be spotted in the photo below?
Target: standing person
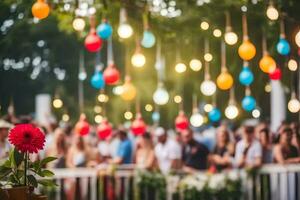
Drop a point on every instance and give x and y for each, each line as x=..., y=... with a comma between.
x=264, y=138
x=248, y=150
x=124, y=150
x=77, y=154
x=145, y=156
x=195, y=154
x=4, y=145
x=167, y=151
x=296, y=135
x=284, y=152
x=223, y=153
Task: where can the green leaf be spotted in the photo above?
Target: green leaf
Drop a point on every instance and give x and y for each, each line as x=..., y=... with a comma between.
x=47, y=182
x=46, y=173
x=36, y=165
x=32, y=180
x=46, y=160
x=18, y=157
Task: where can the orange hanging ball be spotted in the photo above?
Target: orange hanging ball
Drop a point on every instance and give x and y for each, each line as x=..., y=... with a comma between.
x=129, y=90
x=267, y=64
x=224, y=81
x=40, y=9
x=247, y=50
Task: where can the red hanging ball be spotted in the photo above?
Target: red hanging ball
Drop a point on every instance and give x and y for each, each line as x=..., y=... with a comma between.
x=276, y=74
x=181, y=122
x=111, y=74
x=93, y=42
x=138, y=126
x=104, y=129
x=82, y=127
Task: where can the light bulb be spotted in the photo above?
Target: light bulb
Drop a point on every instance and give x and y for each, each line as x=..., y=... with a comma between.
x=65, y=117
x=180, y=68
x=268, y=88
x=256, y=113
x=57, y=103
x=217, y=33
x=82, y=75
x=231, y=112
x=177, y=99
x=195, y=65
x=208, y=107
x=208, y=57
x=148, y=107
x=292, y=65
x=204, y=25
x=128, y=115
x=138, y=60
x=230, y=38
x=102, y=98
x=161, y=96
x=97, y=109
x=125, y=31
x=78, y=24
x=118, y=90
x=196, y=120
x=294, y=105
x=297, y=38
x=98, y=119
x=208, y=87
x=272, y=13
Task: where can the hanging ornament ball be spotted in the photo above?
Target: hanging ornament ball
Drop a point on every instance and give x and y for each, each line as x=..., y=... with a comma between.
x=82, y=127
x=214, y=115
x=138, y=126
x=129, y=91
x=283, y=47
x=155, y=116
x=97, y=80
x=248, y=103
x=92, y=42
x=111, y=75
x=247, y=50
x=40, y=9
x=267, y=64
x=181, y=122
x=148, y=40
x=161, y=96
x=104, y=30
x=104, y=129
x=225, y=81
x=246, y=76
x=276, y=74
x=208, y=87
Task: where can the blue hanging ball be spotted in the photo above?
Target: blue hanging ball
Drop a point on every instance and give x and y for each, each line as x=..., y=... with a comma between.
x=155, y=116
x=248, y=103
x=148, y=40
x=246, y=76
x=104, y=30
x=97, y=80
x=214, y=115
x=283, y=47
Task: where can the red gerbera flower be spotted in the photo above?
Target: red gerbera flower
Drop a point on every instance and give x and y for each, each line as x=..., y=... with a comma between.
x=27, y=138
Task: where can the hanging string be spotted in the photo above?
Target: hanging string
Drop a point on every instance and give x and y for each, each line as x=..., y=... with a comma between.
x=145, y=18
x=195, y=106
x=214, y=100
x=110, y=56
x=80, y=83
x=92, y=22
x=206, y=64
x=99, y=64
x=228, y=21
x=123, y=16
x=282, y=30
x=247, y=91
x=137, y=105
x=264, y=43
x=231, y=96
x=223, y=57
x=245, y=27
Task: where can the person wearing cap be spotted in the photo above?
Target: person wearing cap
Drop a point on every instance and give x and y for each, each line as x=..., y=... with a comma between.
x=248, y=151
x=284, y=152
x=167, y=151
x=4, y=145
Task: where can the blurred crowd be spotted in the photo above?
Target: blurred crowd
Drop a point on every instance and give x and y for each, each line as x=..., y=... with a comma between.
x=214, y=148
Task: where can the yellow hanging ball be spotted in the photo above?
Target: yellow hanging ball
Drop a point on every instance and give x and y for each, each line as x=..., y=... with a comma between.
x=224, y=81
x=40, y=9
x=267, y=64
x=129, y=91
x=247, y=50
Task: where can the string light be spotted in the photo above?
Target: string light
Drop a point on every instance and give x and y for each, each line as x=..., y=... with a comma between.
x=231, y=112
x=97, y=109
x=268, y=88
x=78, y=24
x=128, y=115
x=98, y=119
x=292, y=65
x=125, y=31
x=208, y=107
x=180, y=68
x=177, y=99
x=118, y=90
x=217, y=33
x=57, y=103
x=195, y=65
x=204, y=25
x=272, y=13
x=208, y=57
x=148, y=107
x=103, y=98
x=294, y=105
x=138, y=60
x=231, y=38
x=256, y=113
x=65, y=117
x=208, y=87
x=196, y=120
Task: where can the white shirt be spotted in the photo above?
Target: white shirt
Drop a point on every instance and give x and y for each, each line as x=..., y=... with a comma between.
x=255, y=151
x=166, y=153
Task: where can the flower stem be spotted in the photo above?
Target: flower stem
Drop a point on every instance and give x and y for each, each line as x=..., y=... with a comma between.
x=25, y=167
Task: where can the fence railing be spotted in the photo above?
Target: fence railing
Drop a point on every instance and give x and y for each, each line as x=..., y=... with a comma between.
x=271, y=182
